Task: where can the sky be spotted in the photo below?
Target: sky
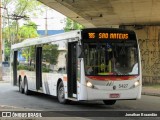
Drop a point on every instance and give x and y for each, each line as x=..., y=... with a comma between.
x=55, y=20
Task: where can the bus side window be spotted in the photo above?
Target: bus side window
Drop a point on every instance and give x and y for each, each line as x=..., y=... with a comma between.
x=32, y=58
x=50, y=55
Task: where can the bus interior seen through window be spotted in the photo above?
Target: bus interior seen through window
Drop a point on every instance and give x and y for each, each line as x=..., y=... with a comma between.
x=118, y=58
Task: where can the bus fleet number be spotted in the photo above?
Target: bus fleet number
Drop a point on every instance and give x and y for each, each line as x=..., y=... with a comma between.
x=123, y=85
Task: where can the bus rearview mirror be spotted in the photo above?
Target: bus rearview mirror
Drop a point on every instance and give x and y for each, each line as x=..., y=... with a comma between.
x=80, y=51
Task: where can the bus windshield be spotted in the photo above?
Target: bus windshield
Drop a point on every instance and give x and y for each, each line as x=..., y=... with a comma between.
x=112, y=58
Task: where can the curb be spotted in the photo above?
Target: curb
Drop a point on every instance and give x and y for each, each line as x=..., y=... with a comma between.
x=2, y=81
x=151, y=94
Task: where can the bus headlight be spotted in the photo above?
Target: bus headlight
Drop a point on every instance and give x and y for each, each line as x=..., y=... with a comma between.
x=137, y=83
x=89, y=84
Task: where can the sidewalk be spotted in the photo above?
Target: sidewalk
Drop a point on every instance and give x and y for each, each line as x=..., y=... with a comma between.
x=147, y=90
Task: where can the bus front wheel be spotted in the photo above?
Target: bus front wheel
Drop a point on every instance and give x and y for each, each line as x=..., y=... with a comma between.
x=61, y=93
x=109, y=102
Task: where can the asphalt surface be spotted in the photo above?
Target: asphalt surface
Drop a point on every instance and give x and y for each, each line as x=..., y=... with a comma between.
x=11, y=99
x=9, y=95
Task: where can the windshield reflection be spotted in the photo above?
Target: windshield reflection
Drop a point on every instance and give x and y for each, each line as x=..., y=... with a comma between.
x=119, y=58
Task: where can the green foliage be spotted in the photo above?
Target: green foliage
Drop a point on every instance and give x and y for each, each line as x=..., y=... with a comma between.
x=12, y=33
x=22, y=67
x=25, y=67
x=28, y=31
x=26, y=53
x=50, y=53
x=7, y=51
x=31, y=68
x=72, y=25
x=22, y=7
x=46, y=69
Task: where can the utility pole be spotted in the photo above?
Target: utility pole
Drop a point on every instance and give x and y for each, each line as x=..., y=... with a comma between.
x=0, y=41
x=46, y=24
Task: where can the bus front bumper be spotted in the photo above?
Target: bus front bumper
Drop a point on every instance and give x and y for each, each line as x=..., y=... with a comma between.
x=97, y=94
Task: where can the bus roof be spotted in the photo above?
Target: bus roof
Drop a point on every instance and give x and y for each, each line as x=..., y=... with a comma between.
x=108, y=30
x=48, y=39
x=103, y=34
x=67, y=36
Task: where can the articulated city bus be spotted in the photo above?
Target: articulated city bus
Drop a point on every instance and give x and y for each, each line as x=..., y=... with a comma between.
x=89, y=64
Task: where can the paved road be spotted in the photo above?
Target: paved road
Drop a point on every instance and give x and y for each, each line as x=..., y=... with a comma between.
x=6, y=73
x=10, y=97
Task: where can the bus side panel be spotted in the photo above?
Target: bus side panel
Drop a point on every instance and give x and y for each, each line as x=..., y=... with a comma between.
x=49, y=83
x=31, y=80
x=53, y=66
x=83, y=95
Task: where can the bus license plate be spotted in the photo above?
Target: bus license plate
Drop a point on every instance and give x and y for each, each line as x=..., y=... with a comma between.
x=115, y=95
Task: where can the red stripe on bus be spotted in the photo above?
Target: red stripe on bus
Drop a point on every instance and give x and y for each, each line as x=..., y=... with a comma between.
x=114, y=78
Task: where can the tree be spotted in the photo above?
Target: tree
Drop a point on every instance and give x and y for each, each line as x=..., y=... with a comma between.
x=72, y=25
x=23, y=7
x=20, y=10
x=15, y=10
x=29, y=30
x=50, y=53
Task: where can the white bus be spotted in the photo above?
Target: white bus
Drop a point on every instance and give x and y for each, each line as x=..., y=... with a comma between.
x=89, y=64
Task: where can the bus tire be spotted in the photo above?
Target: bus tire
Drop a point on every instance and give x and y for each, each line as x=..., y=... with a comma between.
x=26, y=91
x=109, y=102
x=21, y=89
x=61, y=94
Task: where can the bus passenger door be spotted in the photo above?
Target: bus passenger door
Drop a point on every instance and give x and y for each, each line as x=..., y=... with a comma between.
x=72, y=69
x=15, y=67
x=38, y=68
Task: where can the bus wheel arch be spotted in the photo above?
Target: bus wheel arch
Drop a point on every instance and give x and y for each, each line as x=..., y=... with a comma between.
x=61, y=92
x=58, y=82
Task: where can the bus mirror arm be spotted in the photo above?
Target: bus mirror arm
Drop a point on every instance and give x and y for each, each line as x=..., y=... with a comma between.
x=80, y=51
